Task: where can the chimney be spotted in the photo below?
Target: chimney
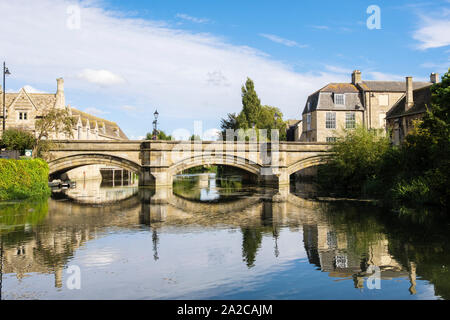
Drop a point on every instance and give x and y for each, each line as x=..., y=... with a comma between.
x=60, y=98
x=434, y=77
x=356, y=76
x=409, y=93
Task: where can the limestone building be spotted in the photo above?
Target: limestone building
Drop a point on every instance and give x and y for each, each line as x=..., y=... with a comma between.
x=24, y=108
x=344, y=105
x=412, y=106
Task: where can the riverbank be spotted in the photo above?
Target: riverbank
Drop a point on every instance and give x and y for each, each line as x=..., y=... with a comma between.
x=23, y=179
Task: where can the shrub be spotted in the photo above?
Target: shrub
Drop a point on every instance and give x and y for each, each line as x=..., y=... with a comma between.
x=354, y=163
x=17, y=139
x=20, y=179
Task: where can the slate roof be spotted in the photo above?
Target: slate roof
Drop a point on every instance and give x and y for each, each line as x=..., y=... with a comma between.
x=323, y=99
x=390, y=86
x=110, y=126
x=422, y=99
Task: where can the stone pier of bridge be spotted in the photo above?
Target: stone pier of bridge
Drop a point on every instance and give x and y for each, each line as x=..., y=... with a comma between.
x=157, y=162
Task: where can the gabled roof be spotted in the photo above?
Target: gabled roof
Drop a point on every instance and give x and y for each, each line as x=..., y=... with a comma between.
x=323, y=99
x=38, y=100
x=390, y=86
x=422, y=100
x=340, y=88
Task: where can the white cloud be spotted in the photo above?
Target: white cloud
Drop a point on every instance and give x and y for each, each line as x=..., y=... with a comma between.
x=169, y=68
x=285, y=42
x=100, y=77
x=338, y=69
x=434, y=33
x=128, y=108
x=191, y=18
x=321, y=27
x=381, y=76
x=31, y=89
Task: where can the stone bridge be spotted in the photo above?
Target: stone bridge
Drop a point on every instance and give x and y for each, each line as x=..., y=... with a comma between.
x=157, y=161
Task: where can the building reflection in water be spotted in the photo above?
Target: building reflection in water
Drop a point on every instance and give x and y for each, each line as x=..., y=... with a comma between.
x=48, y=245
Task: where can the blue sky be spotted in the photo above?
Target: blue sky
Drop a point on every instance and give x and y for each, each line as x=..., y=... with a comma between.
x=188, y=59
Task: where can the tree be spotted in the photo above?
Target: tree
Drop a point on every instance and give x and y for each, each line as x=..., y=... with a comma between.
x=427, y=149
x=160, y=136
x=52, y=123
x=195, y=137
x=354, y=162
x=251, y=106
x=254, y=115
x=18, y=139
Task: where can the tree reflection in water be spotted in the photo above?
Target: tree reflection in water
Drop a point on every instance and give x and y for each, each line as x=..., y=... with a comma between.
x=341, y=240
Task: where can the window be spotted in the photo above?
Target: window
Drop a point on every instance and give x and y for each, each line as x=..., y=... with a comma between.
x=383, y=100
x=382, y=120
x=341, y=261
x=331, y=239
x=350, y=122
x=308, y=122
x=339, y=99
x=331, y=139
x=23, y=116
x=330, y=121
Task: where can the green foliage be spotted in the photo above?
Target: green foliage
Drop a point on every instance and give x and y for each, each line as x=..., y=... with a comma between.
x=415, y=174
x=53, y=121
x=21, y=179
x=354, y=163
x=17, y=215
x=195, y=137
x=18, y=139
x=160, y=136
x=254, y=115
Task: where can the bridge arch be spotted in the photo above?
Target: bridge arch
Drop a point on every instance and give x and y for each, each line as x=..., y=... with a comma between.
x=226, y=160
x=64, y=164
x=305, y=163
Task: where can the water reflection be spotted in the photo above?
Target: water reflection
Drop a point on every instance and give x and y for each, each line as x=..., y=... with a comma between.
x=187, y=243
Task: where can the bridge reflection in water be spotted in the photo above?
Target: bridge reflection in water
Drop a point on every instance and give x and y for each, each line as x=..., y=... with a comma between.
x=185, y=242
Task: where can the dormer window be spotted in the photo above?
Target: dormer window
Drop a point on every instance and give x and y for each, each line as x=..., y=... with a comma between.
x=339, y=99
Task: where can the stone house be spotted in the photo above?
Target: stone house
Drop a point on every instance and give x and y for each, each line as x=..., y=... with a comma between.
x=294, y=130
x=343, y=105
x=412, y=106
x=24, y=108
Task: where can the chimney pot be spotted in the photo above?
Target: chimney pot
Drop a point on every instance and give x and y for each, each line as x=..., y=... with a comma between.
x=356, y=76
x=434, y=77
x=409, y=93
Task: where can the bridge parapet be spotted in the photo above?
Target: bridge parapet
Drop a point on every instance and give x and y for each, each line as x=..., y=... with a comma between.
x=158, y=161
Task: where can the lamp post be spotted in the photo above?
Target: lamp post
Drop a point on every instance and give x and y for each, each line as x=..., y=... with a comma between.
x=155, y=125
x=5, y=72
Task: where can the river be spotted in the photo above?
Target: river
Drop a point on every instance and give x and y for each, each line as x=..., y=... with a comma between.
x=214, y=238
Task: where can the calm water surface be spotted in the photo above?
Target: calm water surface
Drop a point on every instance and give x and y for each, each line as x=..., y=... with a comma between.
x=211, y=238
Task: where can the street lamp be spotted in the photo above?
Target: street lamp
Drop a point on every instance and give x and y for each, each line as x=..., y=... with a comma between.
x=155, y=125
x=276, y=117
x=5, y=72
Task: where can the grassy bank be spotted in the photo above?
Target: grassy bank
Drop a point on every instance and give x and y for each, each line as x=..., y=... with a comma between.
x=22, y=179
